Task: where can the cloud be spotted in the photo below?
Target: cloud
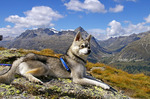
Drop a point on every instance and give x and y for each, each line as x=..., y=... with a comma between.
x=93, y=6
x=10, y=31
x=147, y=19
x=115, y=29
x=125, y=0
x=100, y=34
x=118, y=8
x=39, y=16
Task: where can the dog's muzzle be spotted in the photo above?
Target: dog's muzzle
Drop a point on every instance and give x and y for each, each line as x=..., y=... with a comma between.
x=89, y=51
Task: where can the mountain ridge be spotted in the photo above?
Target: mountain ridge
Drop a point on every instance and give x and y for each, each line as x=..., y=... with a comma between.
x=137, y=50
x=42, y=38
x=59, y=41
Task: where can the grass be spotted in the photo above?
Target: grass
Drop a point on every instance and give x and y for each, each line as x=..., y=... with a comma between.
x=134, y=85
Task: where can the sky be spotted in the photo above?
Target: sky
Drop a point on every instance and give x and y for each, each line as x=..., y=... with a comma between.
x=101, y=18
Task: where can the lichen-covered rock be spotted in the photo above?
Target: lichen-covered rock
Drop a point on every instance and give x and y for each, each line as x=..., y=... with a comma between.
x=8, y=55
x=54, y=88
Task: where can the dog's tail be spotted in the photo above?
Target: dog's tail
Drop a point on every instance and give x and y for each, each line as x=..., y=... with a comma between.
x=8, y=77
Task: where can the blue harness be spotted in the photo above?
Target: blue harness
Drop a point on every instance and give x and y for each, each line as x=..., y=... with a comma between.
x=5, y=65
x=62, y=60
x=65, y=65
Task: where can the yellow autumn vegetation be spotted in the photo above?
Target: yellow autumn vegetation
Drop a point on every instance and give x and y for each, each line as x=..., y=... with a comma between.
x=134, y=85
x=46, y=52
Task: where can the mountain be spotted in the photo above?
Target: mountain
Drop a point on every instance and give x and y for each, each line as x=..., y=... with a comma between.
x=135, y=57
x=138, y=50
x=5, y=41
x=118, y=43
x=59, y=41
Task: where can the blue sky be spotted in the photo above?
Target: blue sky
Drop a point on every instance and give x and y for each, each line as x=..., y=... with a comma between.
x=101, y=18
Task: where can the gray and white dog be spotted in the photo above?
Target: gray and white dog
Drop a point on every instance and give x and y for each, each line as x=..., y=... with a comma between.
x=33, y=65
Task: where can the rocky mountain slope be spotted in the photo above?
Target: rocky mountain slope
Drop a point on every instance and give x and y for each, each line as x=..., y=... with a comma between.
x=138, y=51
x=58, y=41
x=116, y=44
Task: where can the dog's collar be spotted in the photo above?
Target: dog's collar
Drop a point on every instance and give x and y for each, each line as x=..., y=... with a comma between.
x=80, y=58
x=65, y=65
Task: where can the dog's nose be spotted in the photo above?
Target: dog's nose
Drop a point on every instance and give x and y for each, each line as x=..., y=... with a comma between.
x=89, y=51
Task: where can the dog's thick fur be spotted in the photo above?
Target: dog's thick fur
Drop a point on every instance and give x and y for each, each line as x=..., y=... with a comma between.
x=32, y=65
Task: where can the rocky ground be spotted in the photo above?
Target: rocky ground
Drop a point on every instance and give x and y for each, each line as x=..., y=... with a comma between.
x=54, y=88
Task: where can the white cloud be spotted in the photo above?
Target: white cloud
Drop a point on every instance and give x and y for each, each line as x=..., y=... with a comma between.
x=100, y=34
x=147, y=19
x=11, y=31
x=39, y=16
x=115, y=29
x=137, y=28
x=125, y=0
x=118, y=8
x=88, y=5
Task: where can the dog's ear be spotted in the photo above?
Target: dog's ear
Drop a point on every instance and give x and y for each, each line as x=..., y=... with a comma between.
x=78, y=37
x=89, y=38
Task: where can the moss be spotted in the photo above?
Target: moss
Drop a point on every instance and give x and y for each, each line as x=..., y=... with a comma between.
x=2, y=93
x=18, y=91
x=9, y=90
x=68, y=80
x=37, y=97
x=98, y=89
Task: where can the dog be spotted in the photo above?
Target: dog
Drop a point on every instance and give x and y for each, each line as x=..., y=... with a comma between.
x=71, y=65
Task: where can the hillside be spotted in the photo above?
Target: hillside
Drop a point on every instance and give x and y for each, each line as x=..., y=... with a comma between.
x=58, y=41
x=135, y=57
x=137, y=51
x=130, y=53
x=133, y=85
x=116, y=44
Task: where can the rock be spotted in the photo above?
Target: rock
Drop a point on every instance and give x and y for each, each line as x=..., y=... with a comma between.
x=99, y=68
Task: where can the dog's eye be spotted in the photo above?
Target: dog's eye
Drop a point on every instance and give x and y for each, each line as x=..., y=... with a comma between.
x=82, y=46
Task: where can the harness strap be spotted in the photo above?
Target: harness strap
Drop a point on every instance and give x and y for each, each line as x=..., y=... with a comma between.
x=5, y=65
x=65, y=65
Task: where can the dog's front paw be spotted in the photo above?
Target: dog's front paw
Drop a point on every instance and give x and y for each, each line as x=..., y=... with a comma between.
x=112, y=89
x=106, y=87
